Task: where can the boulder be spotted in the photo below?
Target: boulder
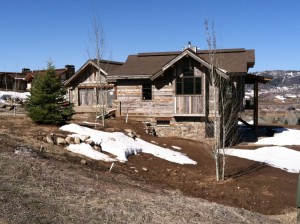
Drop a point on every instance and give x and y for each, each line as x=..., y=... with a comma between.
x=77, y=140
x=98, y=148
x=84, y=137
x=83, y=161
x=50, y=139
x=70, y=140
x=90, y=142
x=60, y=141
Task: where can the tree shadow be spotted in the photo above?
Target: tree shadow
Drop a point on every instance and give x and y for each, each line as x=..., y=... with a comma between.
x=248, y=170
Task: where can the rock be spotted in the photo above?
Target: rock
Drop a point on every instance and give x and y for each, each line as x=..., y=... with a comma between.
x=84, y=137
x=98, y=148
x=127, y=130
x=144, y=168
x=83, y=161
x=50, y=139
x=61, y=141
x=90, y=142
x=70, y=140
x=131, y=133
x=77, y=140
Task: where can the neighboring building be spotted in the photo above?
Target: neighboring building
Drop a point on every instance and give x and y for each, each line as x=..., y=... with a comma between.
x=172, y=90
x=62, y=73
x=12, y=81
x=87, y=87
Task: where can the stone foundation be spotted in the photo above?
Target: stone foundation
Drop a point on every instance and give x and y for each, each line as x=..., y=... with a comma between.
x=187, y=128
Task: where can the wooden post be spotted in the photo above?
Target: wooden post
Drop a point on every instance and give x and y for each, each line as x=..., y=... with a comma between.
x=255, y=111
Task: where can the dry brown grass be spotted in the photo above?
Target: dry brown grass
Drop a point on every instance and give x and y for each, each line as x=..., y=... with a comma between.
x=58, y=189
x=287, y=216
x=36, y=190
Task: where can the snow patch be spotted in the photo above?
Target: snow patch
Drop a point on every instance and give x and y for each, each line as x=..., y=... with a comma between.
x=122, y=146
x=283, y=136
x=276, y=156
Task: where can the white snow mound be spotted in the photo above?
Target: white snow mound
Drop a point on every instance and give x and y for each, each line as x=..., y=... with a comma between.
x=122, y=146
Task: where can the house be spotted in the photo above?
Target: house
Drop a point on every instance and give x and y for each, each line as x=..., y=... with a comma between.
x=12, y=81
x=87, y=87
x=62, y=73
x=173, y=91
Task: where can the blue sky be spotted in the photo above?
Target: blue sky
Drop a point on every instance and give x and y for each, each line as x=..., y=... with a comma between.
x=34, y=31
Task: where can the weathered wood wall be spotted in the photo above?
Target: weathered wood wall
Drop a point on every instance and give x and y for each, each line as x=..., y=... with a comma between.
x=86, y=89
x=129, y=93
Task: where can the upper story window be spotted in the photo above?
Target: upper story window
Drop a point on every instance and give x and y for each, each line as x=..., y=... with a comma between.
x=147, y=92
x=188, y=82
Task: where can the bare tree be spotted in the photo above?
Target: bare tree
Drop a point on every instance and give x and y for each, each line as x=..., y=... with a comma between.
x=223, y=107
x=213, y=128
x=230, y=105
x=98, y=41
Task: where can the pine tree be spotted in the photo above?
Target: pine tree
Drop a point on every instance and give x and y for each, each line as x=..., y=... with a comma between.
x=46, y=103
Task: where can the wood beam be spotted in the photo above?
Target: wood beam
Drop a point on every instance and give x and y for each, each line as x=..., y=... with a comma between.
x=255, y=111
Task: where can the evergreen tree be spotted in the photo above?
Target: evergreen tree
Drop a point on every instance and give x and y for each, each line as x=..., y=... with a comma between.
x=47, y=104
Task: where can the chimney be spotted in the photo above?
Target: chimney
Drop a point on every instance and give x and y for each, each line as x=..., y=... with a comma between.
x=189, y=46
x=25, y=70
x=71, y=70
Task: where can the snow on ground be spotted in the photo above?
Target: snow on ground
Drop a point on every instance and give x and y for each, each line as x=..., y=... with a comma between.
x=276, y=156
x=121, y=146
x=11, y=94
x=176, y=147
x=88, y=151
x=280, y=97
x=283, y=136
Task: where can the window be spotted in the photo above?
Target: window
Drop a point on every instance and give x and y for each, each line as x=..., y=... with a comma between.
x=187, y=82
x=147, y=92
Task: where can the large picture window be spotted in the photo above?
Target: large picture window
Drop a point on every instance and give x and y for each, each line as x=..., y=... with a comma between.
x=147, y=92
x=187, y=83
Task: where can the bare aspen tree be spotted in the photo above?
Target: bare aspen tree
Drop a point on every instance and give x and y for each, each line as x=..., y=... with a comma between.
x=224, y=105
x=230, y=105
x=99, y=48
x=213, y=93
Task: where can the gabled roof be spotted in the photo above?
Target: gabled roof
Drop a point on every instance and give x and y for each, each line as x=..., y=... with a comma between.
x=105, y=67
x=191, y=54
x=14, y=75
x=149, y=65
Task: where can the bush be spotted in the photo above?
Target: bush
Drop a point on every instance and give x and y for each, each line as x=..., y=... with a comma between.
x=47, y=104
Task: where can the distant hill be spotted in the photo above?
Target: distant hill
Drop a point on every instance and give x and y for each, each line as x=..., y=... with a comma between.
x=281, y=93
x=284, y=82
x=281, y=78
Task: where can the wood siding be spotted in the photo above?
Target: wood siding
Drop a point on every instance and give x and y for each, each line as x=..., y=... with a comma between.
x=129, y=93
x=192, y=105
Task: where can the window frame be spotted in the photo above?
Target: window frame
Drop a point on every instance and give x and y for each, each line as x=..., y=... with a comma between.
x=147, y=86
x=187, y=73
